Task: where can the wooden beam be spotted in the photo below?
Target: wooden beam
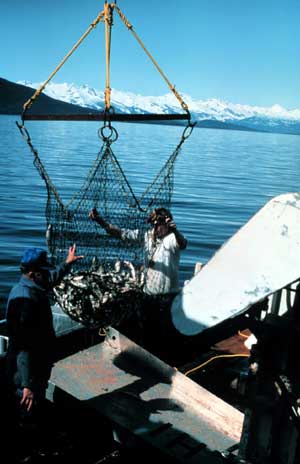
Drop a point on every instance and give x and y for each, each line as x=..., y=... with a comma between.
x=149, y=400
x=100, y=117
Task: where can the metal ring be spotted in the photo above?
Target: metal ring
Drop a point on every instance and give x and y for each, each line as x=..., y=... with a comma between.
x=23, y=131
x=112, y=135
x=188, y=130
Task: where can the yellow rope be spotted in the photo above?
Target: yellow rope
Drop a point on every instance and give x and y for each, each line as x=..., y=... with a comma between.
x=108, y=19
x=29, y=102
x=171, y=86
x=243, y=335
x=216, y=357
x=102, y=332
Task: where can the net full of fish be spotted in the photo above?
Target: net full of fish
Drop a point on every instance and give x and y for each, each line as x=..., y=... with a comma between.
x=101, y=296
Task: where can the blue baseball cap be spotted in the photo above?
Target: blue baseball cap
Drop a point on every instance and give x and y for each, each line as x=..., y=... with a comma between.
x=35, y=258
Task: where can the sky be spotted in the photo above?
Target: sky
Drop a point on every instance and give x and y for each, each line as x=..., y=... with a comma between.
x=239, y=51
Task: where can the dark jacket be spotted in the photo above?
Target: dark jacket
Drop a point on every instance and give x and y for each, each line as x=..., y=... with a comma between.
x=31, y=334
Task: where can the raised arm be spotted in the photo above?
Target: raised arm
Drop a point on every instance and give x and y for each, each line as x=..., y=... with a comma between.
x=109, y=228
x=56, y=274
x=181, y=240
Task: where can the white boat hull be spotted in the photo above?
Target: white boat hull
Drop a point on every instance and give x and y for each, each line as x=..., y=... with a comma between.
x=261, y=258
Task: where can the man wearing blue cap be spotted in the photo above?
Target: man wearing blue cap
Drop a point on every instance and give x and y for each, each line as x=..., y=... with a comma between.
x=30, y=327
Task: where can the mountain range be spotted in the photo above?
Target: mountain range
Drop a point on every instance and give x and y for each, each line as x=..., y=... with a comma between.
x=68, y=98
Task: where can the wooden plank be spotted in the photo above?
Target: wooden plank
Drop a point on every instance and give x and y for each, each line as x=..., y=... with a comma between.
x=149, y=399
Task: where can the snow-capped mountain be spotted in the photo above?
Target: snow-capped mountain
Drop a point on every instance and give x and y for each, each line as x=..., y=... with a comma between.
x=274, y=118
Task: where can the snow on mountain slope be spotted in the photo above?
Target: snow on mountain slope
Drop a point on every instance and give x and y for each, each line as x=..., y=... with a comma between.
x=127, y=102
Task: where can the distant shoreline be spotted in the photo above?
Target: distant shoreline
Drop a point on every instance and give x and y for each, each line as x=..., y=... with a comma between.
x=13, y=96
x=205, y=124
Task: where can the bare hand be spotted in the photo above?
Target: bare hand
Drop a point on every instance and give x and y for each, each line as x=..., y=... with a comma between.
x=27, y=398
x=71, y=258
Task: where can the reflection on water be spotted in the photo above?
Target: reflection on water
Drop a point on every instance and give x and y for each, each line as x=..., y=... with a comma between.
x=221, y=179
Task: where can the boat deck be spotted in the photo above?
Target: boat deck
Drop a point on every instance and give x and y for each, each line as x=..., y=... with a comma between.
x=147, y=401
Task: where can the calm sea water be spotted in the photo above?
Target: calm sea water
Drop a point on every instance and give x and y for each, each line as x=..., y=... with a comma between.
x=221, y=179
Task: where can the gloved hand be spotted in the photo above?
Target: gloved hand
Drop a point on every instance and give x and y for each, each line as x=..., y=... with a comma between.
x=170, y=223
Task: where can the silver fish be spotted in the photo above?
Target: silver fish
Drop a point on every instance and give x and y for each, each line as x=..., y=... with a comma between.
x=100, y=296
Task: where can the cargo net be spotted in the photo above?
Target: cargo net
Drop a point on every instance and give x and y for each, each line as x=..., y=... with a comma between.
x=108, y=282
